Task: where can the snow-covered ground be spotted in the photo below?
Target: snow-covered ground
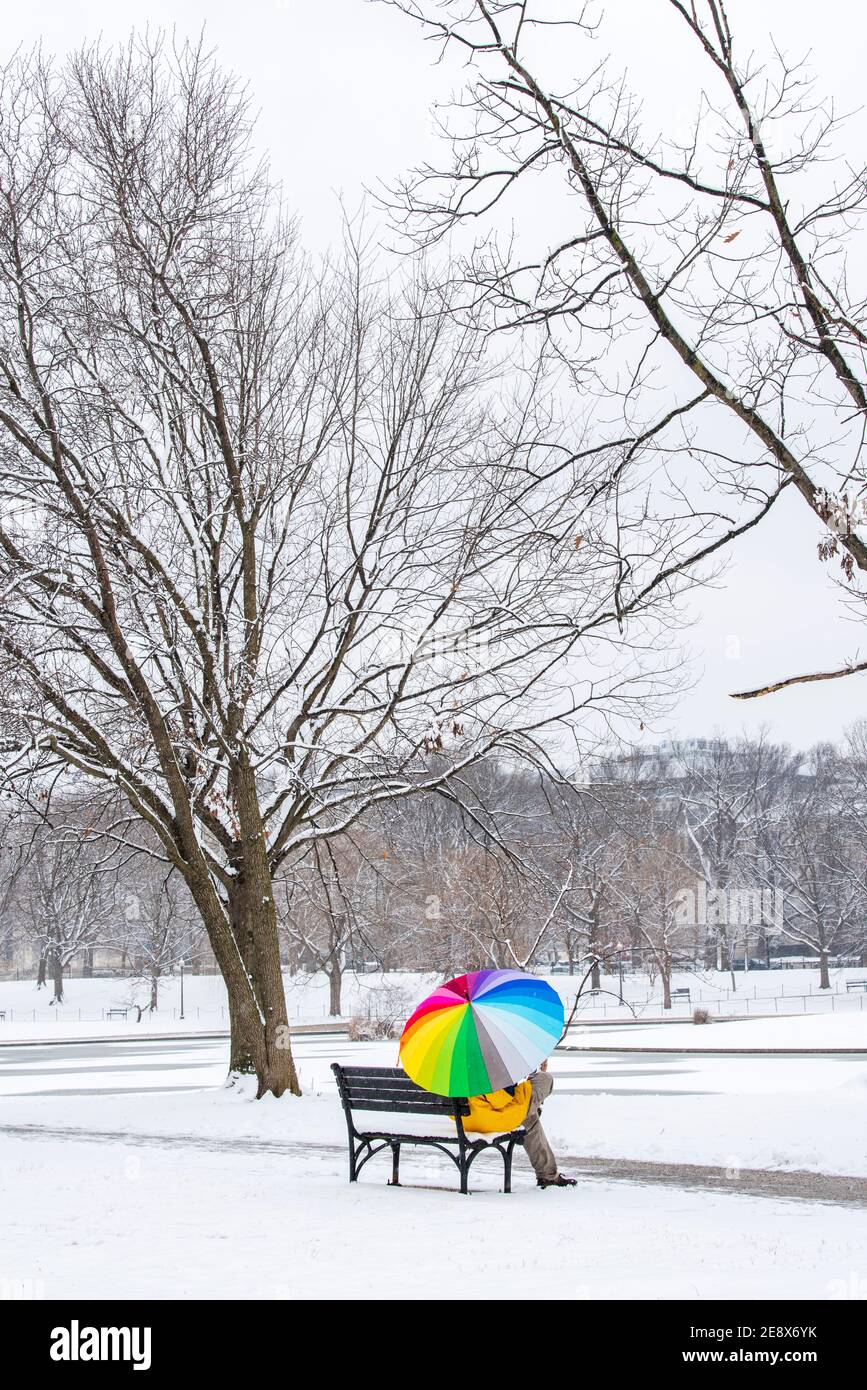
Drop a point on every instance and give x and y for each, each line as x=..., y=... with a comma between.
x=30, y=1015
x=210, y=1196
x=843, y=1030
x=187, y=1191
x=725, y=1112
x=111, y=1221
x=778, y=993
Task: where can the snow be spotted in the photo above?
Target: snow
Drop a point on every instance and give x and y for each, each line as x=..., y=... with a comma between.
x=188, y=1189
x=164, y=1183
x=778, y=993
x=239, y=1204
x=782, y=1031
x=30, y=1016
x=764, y=1112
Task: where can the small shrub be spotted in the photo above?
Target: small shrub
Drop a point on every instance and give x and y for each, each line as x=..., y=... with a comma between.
x=386, y=1009
x=700, y=1016
x=359, y=1029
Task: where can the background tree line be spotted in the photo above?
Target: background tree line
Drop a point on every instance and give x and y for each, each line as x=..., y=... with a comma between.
x=688, y=855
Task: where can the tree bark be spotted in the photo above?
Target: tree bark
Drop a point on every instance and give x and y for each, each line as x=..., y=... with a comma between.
x=57, y=977
x=259, y=1024
x=335, y=981
x=824, y=977
x=665, y=972
x=593, y=944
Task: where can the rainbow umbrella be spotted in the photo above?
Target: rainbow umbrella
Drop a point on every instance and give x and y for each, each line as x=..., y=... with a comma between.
x=480, y=1032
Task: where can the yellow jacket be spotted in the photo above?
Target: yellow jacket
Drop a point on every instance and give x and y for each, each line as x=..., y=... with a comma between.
x=498, y=1112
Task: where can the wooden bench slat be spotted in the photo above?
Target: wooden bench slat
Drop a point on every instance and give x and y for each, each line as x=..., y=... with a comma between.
x=419, y=1104
x=369, y=1083
x=398, y=1107
x=383, y=1076
x=437, y=1105
x=352, y=1083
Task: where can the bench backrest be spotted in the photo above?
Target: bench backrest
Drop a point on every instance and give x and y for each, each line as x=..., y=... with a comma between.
x=389, y=1088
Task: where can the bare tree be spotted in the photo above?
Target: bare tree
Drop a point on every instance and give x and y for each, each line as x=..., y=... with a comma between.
x=595, y=820
x=812, y=855
x=10, y=865
x=726, y=790
x=278, y=545
x=701, y=281
x=66, y=901
x=328, y=918
x=648, y=897
x=158, y=925
x=852, y=805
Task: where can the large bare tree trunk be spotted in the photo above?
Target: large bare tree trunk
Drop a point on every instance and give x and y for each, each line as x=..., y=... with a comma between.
x=260, y=1036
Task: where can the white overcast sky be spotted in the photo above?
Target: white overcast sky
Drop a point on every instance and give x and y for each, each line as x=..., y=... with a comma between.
x=344, y=89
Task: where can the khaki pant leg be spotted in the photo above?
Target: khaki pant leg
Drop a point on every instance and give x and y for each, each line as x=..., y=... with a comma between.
x=539, y=1151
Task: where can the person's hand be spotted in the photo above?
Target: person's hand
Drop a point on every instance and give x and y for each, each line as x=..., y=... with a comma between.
x=544, y=1065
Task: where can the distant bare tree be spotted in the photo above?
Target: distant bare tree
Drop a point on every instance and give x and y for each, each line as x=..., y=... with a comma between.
x=66, y=900
x=727, y=789
x=326, y=902
x=158, y=925
x=812, y=855
x=10, y=862
x=648, y=897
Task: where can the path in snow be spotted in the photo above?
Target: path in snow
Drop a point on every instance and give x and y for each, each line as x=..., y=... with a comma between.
x=753, y=1182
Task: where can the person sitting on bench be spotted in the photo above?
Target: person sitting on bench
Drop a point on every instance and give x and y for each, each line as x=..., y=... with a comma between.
x=509, y=1109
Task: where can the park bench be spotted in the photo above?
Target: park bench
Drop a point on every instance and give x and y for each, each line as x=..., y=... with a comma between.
x=118, y=1013
x=390, y=1090
x=855, y=984
x=680, y=994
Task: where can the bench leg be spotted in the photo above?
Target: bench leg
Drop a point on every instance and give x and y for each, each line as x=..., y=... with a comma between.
x=507, y=1165
x=353, y=1175
x=395, y=1165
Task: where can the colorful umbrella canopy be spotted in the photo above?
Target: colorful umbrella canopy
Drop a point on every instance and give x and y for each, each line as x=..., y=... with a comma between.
x=481, y=1032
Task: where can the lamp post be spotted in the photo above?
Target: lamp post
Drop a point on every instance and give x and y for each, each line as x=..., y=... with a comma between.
x=181, y=964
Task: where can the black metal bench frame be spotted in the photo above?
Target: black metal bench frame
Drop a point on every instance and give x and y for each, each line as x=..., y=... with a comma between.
x=390, y=1089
